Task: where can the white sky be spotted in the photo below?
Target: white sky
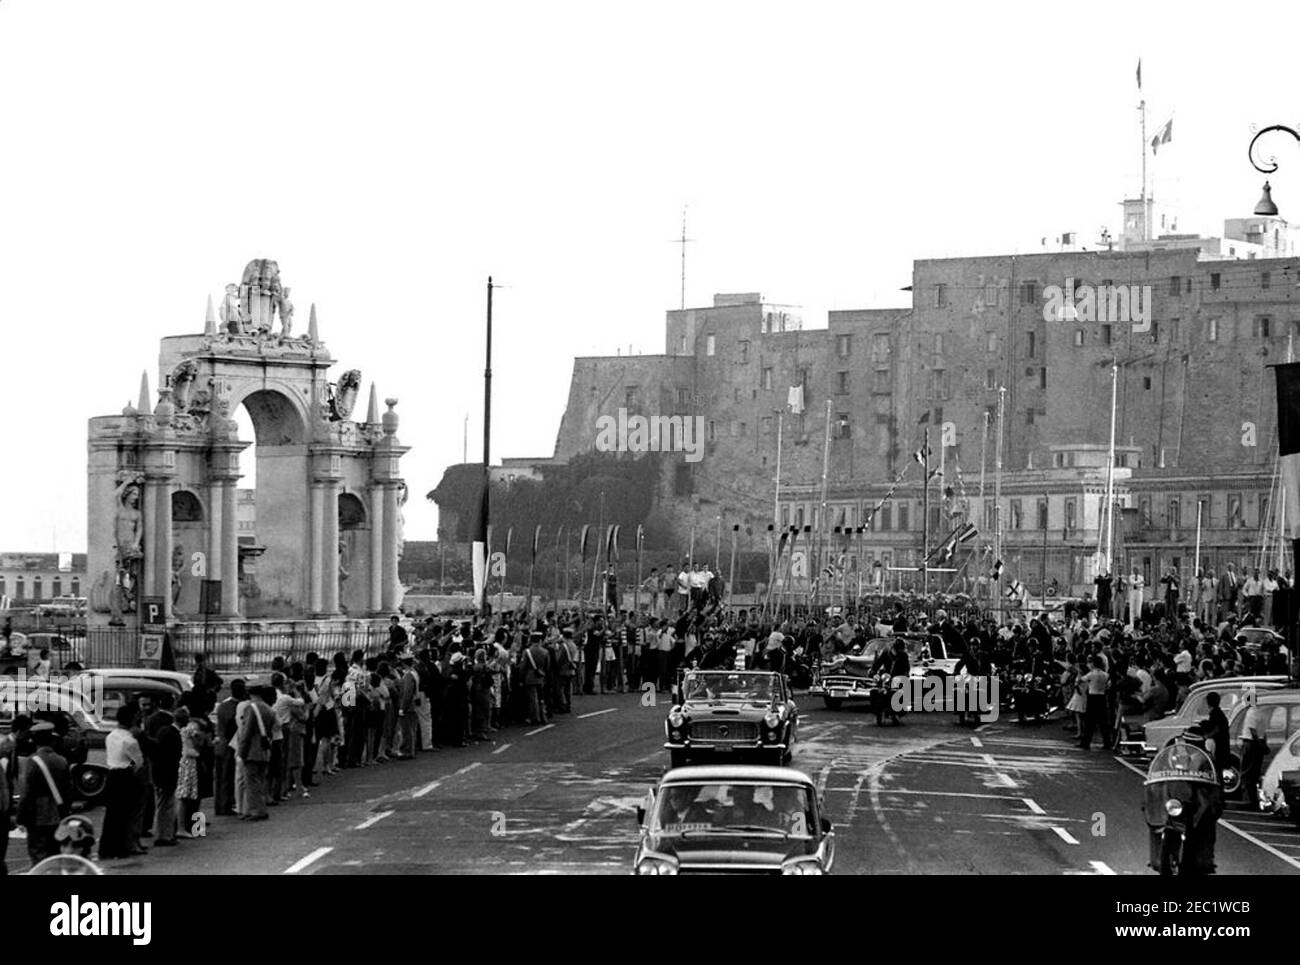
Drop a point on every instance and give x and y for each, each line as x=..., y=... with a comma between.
x=391, y=155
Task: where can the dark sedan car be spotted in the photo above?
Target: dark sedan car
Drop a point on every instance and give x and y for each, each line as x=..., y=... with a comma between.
x=732, y=712
x=734, y=820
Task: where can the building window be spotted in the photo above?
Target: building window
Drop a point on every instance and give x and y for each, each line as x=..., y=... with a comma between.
x=1263, y=326
x=990, y=378
x=1071, y=519
x=990, y=341
x=938, y=343
x=1029, y=293
x=1146, y=383
x=1042, y=514
x=1265, y=280
x=710, y=344
x=1078, y=337
x=3, y=587
x=940, y=296
x=1235, y=518
x=1155, y=331
x=20, y=590
x=36, y=588
x=1212, y=330
x=629, y=397
x=1175, y=513
x=1016, y=518
x=1029, y=417
x=1105, y=334
x=842, y=383
x=880, y=386
x=1031, y=345
x=1214, y=281
x=744, y=350
x=765, y=425
x=683, y=348
x=843, y=345
x=58, y=587
x=886, y=517
x=879, y=348
x=1176, y=284
x=767, y=377
x=991, y=295
x=1042, y=377
x=1175, y=326
x=938, y=384
x=744, y=428
x=842, y=428
x=713, y=435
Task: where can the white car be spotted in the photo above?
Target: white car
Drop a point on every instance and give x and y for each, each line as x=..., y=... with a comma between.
x=1279, y=795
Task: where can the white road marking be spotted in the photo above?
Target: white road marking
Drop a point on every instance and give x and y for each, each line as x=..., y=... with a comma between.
x=502, y=748
x=596, y=713
x=316, y=855
x=438, y=783
x=1231, y=827
x=888, y=791
x=1065, y=835
x=372, y=820
x=1004, y=779
x=981, y=728
x=822, y=778
x=977, y=742
x=1102, y=868
x=539, y=730
x=1033, y=805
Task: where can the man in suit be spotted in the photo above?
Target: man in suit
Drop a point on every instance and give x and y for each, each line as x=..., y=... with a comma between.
x=536, y=661
x=253, y=749
x=1227, y=593
x=408, y=699
x=45, y=794
x=165, y=750
x=19, y=731
x=224, y=785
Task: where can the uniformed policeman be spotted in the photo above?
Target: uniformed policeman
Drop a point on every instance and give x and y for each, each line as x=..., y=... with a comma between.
x=45, y=793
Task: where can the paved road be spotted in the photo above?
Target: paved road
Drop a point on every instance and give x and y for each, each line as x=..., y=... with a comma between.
x=925, y=797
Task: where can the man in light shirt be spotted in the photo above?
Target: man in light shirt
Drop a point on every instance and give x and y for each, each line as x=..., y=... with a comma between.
x=1253, y=591
x=1254, y=745
x=665, y=657
x=1096, y=715
x=124, y=760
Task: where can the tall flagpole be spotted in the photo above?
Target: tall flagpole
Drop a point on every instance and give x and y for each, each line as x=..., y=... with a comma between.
x=821, y=529
x=925, y=512
x=776, y=507
x=1110, y=464
x=485, y=504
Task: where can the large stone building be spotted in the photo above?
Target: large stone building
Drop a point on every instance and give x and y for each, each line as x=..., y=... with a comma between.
x=1195, y=421
x=30, y=578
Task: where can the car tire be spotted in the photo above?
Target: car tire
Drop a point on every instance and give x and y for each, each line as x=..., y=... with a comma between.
x=1233, y=787
x=832, y=703
x=89, y=782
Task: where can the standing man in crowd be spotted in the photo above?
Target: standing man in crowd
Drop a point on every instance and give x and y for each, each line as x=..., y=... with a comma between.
x=124, y=760
x=45, y=794
x=253, y=746
x=1097, y=712
x=1227, y=594
x=1136, y=582
x=1253, y=590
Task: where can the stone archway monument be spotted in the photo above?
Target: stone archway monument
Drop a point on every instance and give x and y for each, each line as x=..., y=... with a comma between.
x=166, y=544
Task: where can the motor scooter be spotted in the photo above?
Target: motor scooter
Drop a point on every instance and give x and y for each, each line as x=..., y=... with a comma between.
x=1183, y=802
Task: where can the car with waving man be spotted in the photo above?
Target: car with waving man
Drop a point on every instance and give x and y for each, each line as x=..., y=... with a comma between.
x=848, y=676
x=732, y=712
x=1195, y=707
x=732, y=819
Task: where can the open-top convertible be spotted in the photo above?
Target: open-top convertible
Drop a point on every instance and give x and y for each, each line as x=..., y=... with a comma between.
x=734, y=713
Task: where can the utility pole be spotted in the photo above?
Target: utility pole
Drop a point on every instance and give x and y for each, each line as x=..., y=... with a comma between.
x=997, y=492
x=482, y=549
x=1110, y=464
x=776, y=506
x=925, y=512
x=683, y=241
x=826, y=467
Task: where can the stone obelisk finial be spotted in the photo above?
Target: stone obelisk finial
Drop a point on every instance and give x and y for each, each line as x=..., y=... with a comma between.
x=144, y=406
x=372, y=413
x=210, y=319
x=313, y=333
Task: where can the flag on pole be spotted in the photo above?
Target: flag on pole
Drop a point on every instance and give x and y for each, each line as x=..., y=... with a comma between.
x=611, y=544
x=586, y=530
x=537, y=535
x=1163, y=136
x=510, y=532
x=1139, y=73
x=479, y=548
x=925, y=418
x=997, y=571
x=1288, y=441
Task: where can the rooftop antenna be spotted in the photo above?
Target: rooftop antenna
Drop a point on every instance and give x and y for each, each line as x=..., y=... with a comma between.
x=683, y=241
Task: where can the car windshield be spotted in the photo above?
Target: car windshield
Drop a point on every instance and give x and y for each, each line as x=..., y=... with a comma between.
x=916, y=649
x=723, y=808
x=728, y=686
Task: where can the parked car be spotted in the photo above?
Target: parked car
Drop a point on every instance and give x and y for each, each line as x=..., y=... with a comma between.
x=731, y=712
x=1283, y=709
x=1157, y=733
x=103, y=694
x=1279, y=791
x=738, y=820
x=65, y=708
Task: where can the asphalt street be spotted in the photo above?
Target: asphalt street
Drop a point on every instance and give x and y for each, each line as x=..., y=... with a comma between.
x=926, y=797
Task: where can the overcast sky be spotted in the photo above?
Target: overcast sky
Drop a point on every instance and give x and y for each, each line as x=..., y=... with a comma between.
x=391, y=155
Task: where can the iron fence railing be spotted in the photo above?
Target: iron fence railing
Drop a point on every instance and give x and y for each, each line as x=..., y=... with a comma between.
x=230, y=647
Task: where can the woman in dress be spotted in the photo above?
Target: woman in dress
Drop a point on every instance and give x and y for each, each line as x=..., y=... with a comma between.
x=188, y=791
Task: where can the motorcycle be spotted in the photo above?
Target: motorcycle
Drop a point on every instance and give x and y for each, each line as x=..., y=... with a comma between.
x=1184, y=799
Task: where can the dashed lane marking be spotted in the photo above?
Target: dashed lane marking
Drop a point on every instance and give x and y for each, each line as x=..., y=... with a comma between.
x=1065, y=835
x=1033, y=805
x=315, y=856
x=372, y=820
x=597, y=713
x=438, y=783
x=1101, y=868
x=977, y=742
x=502, y=748
x=539, y=730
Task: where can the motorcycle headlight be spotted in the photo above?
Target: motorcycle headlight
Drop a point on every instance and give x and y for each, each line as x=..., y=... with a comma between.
x=656, y=865
x=772, y=721
x=1173, y=808
x=802, y=866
